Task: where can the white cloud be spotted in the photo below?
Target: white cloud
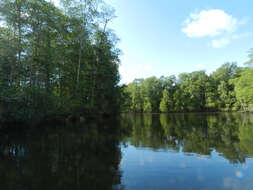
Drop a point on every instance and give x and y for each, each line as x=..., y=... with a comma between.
x=223, y=42
x=210, y=23
x=220, y=43
x=216, y=24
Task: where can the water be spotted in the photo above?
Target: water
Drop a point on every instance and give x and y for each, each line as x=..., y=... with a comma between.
x=144, y=152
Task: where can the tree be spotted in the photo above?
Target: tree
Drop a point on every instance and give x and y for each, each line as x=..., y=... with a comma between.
x=147, y=107
x=164, y=105
x=194, y=89
x=250, y=61
x=58, y=60
x=222, y=78
x=244, y=88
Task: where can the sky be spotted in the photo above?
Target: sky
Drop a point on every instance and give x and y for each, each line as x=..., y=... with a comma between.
x=169, y=37
x=166, y=37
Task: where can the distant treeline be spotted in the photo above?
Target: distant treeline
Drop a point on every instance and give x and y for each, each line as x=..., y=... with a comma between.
x=229, y=88
x=57, y=60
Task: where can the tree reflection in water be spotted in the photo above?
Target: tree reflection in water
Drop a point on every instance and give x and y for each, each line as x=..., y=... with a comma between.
x=88, y=156
x=73, y=157
x=230, y=134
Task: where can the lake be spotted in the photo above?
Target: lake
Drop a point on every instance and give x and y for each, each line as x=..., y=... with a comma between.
x=192, y=151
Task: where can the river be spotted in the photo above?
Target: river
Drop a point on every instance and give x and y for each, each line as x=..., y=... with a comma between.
x=191, y=151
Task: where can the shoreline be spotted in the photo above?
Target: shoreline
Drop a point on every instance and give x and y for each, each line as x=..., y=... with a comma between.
x=65, y=119
x=184, y=112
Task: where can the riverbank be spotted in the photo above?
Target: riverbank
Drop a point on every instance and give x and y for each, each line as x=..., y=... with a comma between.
x=59, y=119
x=185, y=112
x=62, y=119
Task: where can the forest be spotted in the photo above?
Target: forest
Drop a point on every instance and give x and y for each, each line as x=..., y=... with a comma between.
x=229, y=88
x=57, y=60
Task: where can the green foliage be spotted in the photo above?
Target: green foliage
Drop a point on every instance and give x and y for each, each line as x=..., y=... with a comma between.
x=164, y=105
x=244, y=89
x=57, y=59
x=229, y=88
x=250, y=62
x=194, y=88
x=147, y=107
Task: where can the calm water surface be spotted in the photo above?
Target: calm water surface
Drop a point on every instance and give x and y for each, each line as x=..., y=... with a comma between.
x=144, y=152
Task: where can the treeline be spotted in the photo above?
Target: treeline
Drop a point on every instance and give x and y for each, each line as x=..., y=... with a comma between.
x=229, y=88
x=57, y=60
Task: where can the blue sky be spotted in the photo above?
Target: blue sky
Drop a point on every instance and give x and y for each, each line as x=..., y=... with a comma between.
x=164, y=37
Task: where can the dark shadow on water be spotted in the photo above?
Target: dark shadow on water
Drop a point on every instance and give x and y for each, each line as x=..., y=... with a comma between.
x=89, y=155
x=82, y=156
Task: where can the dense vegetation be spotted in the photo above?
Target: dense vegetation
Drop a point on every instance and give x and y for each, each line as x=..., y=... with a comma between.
x=229, y=88
x=61, y=60
x=57, y=60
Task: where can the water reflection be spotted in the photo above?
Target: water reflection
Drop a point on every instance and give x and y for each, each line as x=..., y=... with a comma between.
x=229, y=134
x=188, y=151
x=137, y=152
x=73, y=157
